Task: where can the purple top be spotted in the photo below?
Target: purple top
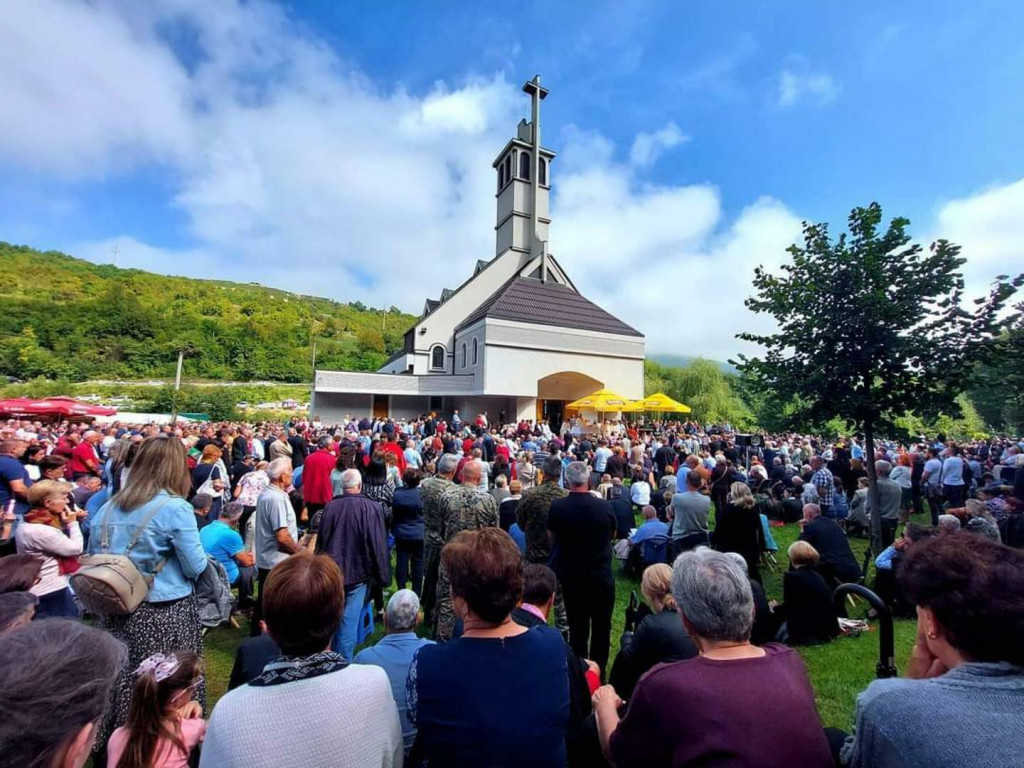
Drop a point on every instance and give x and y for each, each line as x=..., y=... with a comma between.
x=724, y=713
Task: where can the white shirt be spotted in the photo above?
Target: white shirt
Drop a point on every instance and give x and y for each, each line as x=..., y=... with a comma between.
x=356, y=724
x=934, y=469
x=953, y=471
x=47, y=543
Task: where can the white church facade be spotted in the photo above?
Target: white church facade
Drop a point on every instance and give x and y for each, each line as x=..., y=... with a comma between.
x=516, y=339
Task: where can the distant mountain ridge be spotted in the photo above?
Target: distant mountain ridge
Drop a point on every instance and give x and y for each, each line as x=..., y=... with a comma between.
x=681, y=361
x=62, y=317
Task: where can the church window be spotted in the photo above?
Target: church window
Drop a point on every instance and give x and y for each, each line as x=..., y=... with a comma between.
x=463, y=354
x=475, y=351
x=437, y=358
x=542, y=172
x=524, y=166
x=508, y=167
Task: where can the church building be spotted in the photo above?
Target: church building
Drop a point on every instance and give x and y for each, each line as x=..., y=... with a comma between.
x=516, y=340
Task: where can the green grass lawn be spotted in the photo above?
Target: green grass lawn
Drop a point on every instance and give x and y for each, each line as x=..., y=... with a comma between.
x=838, y=671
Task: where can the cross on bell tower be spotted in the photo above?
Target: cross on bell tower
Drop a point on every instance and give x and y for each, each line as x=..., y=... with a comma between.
x=523, y=169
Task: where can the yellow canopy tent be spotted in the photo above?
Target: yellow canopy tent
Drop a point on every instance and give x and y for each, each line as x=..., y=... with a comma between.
x=660, y=403
x=602, y=401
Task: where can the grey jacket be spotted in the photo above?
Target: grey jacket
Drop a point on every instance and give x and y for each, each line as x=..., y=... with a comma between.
x=890, y=496
x=969, y=717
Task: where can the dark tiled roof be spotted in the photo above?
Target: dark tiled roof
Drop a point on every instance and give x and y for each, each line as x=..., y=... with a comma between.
x=527, y=300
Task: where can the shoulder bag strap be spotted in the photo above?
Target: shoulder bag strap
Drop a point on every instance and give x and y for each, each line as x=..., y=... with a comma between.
x=138, y=533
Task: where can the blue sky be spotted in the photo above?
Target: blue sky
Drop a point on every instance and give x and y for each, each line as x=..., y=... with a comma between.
x=344, y=149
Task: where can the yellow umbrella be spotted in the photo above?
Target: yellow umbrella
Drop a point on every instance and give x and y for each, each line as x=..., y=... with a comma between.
x=602, y=401
x=661, y=403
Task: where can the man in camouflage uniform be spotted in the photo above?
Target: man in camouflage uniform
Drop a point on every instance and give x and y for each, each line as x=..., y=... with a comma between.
x=431, y=491
x=532, y=519
x=464, y=507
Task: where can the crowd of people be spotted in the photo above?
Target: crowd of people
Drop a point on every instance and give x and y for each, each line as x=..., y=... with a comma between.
x=487, y=552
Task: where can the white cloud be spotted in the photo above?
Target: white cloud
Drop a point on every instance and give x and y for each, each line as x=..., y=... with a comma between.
x=85, y=93
x=794, y=86
x=293, y=169
x=663, y=258
x=648, y=147
x=989, y=228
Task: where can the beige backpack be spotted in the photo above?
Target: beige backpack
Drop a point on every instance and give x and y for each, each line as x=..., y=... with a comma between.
x=112, y=585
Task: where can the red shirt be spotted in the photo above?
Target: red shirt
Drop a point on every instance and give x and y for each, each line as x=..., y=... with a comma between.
x=83, y=452
x=316, y=477
x=396, y=449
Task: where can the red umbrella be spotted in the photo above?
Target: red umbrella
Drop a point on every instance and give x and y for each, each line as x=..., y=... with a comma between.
x=52, y=406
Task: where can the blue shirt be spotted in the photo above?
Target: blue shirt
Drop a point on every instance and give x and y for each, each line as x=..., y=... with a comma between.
x=394, y=654
x=171, y=534
x=222, y=543
x=12, y=470
x=518, y=536
x=649, y=530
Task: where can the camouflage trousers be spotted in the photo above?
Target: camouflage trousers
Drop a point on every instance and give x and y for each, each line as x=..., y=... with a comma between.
x=444, y=611
x=428, y=598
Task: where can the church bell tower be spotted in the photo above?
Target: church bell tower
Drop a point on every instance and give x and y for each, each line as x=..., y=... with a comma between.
x=523, y=171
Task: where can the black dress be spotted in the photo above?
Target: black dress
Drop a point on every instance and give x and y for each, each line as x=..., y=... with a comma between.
x=738, y=529
x=807, y=607
x=659, y=638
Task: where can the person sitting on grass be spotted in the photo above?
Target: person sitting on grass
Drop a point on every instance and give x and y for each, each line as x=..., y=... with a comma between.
x=652, y=528
x=966, y=669
x=393, y=653
x=222, y=541
x=735, y=704
x=309, y=706
x=887, y=564
x=660, y=636
x=806, y=613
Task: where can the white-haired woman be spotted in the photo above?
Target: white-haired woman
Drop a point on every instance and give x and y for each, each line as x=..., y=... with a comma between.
x=735, y=704
x=738, y=528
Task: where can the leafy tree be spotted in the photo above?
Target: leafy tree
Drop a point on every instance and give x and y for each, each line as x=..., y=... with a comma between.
x=870, y=326
x=703, y=386
x=998, y=388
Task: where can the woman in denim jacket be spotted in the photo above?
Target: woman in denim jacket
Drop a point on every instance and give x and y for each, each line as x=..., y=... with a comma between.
x=169, y=547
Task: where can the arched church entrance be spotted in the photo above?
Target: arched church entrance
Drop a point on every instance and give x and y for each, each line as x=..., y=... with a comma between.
x=557, y=389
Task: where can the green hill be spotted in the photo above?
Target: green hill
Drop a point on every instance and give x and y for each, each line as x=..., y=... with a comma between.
x=65, y=318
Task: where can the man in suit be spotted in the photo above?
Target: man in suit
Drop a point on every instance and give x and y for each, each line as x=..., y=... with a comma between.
x=837, y=562
x=582, y=527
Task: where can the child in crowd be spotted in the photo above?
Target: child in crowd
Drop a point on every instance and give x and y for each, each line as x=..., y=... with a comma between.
x=165, y=726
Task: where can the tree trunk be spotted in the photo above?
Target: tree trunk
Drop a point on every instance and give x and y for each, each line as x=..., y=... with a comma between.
x=874, y=500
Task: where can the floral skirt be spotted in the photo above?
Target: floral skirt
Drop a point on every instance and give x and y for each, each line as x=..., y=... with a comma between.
x=152, y=628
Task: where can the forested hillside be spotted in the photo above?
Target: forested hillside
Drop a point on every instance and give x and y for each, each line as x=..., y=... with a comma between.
x=66, y=318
